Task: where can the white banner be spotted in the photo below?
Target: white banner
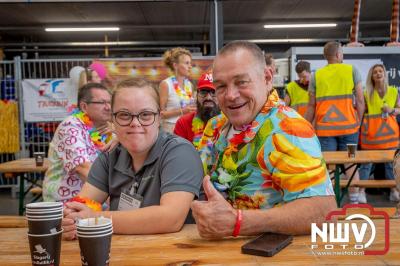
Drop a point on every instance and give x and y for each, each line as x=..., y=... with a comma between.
x=47, y=99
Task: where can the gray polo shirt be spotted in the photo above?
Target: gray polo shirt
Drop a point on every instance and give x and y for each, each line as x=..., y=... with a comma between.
x=173, y=164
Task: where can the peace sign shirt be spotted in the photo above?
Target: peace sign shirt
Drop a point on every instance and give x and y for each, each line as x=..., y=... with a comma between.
x=71, y=146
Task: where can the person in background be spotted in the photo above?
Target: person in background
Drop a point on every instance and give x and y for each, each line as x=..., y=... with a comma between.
x=297, y=91
x=379, y=130
x=151, y=177
x=76, y=144
x=264, y=169
x=176, y=92
x=191, y=125
x=270, y=61
x=331, y=91
x=95, y=73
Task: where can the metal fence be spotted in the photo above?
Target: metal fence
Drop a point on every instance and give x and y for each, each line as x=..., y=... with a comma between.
x=7, y=92
x=34, y=137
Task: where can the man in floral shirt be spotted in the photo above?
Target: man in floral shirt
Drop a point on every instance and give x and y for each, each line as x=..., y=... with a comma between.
x=76, y=144
x=265, y=170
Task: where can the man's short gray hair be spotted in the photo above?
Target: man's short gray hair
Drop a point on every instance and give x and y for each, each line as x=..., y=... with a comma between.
x=248, y=46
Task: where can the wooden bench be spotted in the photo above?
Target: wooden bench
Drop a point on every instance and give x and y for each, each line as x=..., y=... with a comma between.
x=369, y=183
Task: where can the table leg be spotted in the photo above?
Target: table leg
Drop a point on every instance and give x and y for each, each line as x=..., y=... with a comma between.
x=21, y=195
x=346, y=189
x=337, y=185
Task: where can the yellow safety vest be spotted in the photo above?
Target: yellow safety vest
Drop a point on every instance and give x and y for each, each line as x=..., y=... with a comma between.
x=378, y=132
x=298, y=97
x=334, y=113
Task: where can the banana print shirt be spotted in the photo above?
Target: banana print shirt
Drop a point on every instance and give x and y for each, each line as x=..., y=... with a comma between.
x=275, y=159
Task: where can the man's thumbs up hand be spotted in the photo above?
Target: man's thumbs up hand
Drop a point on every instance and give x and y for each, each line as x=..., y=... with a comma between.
x=215, y=218
x=211, y=193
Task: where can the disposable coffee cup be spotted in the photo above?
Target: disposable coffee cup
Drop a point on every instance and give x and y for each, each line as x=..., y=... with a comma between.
x=45, y=211
x=45, y=248
x=39, y=226
x=95, y=233
x=43, y=205
x=45, y=217
x=94, y=236
x=351, y=150
x=94, y=222
x=39, y=158
x=95, y=250
x=83, y=230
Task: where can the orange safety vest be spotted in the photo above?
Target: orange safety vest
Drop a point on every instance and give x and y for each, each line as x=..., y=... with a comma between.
x=378, y=132
x=298, y=97
x=334, y=113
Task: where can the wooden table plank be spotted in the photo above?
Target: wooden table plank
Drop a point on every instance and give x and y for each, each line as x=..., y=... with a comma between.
x=24, y=165
x=371, y=156
x=187, y=248
x=13, y=221
x=339, y=158
x=21, y=167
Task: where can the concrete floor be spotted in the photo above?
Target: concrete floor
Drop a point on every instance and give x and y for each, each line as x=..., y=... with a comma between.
x=9, y=205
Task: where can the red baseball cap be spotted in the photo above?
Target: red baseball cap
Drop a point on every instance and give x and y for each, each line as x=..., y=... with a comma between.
x=205, y=82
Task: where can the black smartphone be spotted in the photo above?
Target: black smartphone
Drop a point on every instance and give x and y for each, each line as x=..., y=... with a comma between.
x=267, y=244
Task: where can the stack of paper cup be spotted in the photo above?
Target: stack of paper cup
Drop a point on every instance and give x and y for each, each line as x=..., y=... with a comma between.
x=44, y=223
x=94, y=236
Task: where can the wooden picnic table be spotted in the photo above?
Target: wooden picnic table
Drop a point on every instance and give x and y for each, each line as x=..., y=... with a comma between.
x=188, y=248
x=340, y=158
x=21, y=168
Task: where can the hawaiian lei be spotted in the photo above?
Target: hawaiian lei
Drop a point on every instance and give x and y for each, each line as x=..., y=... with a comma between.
x=186, y=92
x=197, y=128
x=247, y=133
x=98, y=140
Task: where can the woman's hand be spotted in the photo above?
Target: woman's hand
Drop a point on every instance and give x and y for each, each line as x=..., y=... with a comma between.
x=110, y=145
x=72, y=212
x=76, y=210
x=386, y=109
x=189, y=108
x=107, y=128
x=69, y=227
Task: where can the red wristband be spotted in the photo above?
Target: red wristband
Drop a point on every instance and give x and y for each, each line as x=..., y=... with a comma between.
x=238, y=223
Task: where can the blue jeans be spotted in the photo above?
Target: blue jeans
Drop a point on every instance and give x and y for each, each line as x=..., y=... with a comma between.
x=338, y=143
x=365, y=171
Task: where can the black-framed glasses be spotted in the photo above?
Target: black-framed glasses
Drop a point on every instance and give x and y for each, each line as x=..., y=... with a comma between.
x=203, y=93
x=145, y=118
x=99, y=102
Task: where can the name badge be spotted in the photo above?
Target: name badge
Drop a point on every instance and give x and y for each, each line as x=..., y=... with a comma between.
x=129, y=200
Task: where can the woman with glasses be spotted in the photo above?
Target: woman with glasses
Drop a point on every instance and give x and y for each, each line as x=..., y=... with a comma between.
x=176, y=92
x=151, y=177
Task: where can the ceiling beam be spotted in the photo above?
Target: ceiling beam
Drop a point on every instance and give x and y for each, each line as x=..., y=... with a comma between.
x=177, y=42
x=177, y=26
x=77, y=1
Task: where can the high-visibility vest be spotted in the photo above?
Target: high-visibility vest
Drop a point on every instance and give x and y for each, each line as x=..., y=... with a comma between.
x=334, y=113
x=298, y=97
x=378, y=132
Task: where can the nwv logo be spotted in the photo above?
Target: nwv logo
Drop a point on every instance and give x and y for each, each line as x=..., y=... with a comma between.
x=335, y=235
x=340, y=232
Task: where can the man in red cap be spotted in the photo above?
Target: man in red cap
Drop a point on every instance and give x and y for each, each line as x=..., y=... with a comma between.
x=191, y=125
